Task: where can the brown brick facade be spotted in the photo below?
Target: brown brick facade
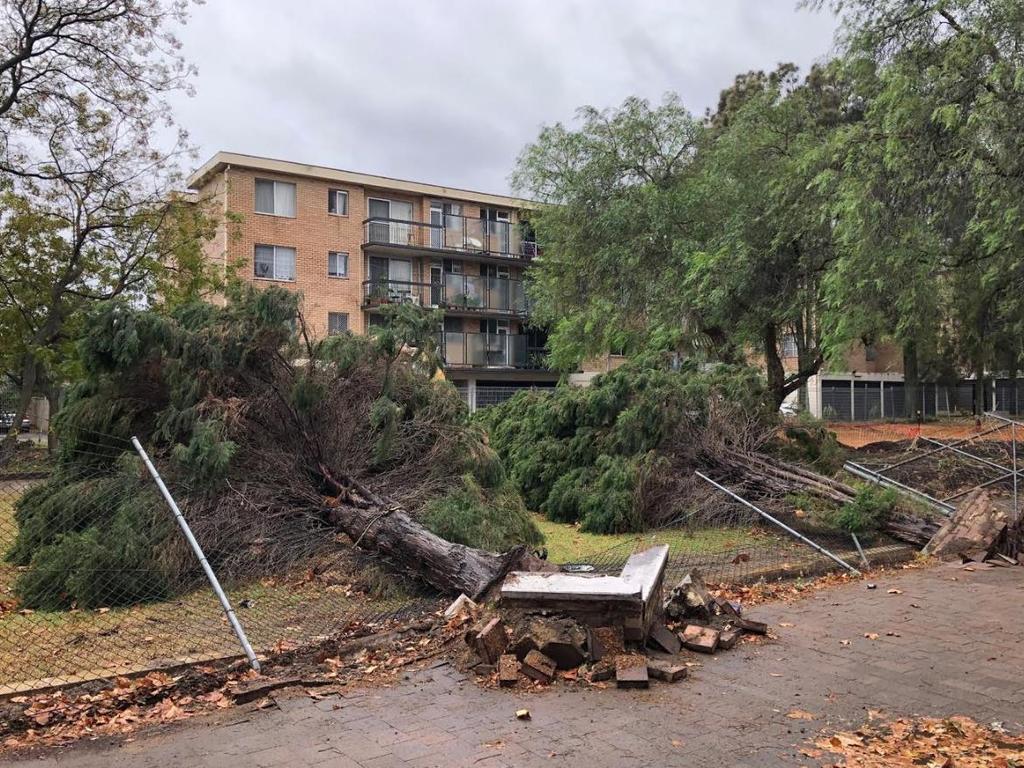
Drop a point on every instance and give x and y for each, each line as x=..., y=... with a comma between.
x=314, y=232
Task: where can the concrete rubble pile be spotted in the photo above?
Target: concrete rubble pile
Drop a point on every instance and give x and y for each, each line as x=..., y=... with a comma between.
x=598, y=627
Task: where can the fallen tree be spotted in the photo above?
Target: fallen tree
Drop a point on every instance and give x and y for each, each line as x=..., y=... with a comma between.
x=621, y=454
x=268, y=457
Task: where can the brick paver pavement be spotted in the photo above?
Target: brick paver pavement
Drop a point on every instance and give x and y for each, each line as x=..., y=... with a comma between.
x=956, y=647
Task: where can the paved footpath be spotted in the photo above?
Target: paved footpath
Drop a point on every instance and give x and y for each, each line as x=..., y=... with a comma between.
x=957, y=648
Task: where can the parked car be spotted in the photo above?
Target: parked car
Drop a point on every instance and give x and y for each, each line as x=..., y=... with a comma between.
x=7, y=421
x=788, y=409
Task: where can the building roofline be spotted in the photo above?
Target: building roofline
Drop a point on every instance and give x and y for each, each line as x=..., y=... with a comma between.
x=198, y=178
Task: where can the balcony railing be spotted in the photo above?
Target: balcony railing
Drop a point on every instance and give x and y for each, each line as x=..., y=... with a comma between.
x=457, y=292
x=490, y=350
x=459, y=233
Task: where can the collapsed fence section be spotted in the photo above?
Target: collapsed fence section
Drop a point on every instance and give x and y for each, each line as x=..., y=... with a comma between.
x=97, y=580
x=941, y=465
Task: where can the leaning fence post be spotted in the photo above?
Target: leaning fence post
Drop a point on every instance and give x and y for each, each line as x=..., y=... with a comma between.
x=210, y=575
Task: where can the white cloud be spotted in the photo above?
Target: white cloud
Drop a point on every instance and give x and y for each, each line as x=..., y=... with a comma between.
x=449, y=92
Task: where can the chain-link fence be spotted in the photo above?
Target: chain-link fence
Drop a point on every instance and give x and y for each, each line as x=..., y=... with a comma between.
x=941, y=463
x=97, y=580
x=737, y=546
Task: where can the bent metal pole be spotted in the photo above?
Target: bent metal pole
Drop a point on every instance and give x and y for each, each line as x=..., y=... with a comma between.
x=214, y=582
x=782, y=525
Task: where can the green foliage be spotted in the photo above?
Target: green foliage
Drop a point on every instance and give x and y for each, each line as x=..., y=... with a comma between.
x=243, y=435
x=90, y=540
x=867, y=511
x=496, y=520
x=207, y=456
x=584, y=454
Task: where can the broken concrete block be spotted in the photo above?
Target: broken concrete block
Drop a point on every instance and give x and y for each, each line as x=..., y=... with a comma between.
x=728, y=607
x=491, y=641
x=749, y=625
x=601, y=671
x=560, y=639
x=661, y=637
x=633, y=628
x=539, y=667
x=728, y=638
x=690, y=599
x=700, y=639
x=631, y=671
x=461, y=605
x=605, y=641
x=666, y=670
x=508, y=670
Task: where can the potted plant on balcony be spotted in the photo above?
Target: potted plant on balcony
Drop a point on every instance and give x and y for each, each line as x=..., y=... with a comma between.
x=377, y=293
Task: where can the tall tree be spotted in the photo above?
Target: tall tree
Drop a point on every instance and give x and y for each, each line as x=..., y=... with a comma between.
x=618, y=228
x=770, y=243
x=930, y=186
x=86, y=172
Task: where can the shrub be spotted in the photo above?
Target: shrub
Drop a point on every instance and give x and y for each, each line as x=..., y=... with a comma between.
x=495, y=521
x=867, y=511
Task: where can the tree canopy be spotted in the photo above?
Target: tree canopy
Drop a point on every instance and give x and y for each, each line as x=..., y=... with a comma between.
x=877, y=198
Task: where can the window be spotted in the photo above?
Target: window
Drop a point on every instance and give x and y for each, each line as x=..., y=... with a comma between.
x=275, y=197
x=337, y=322
x=789, y=346
x=337, y=264
x=274, y=262
x=337, y=202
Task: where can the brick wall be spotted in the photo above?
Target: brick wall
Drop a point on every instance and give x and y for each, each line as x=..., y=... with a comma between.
x=313, y=232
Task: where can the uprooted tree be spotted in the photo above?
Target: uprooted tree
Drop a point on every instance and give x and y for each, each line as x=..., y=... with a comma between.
x=262, y=432
x=620, y=455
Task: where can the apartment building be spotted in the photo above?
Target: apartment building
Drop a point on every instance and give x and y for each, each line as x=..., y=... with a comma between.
x=354, y=243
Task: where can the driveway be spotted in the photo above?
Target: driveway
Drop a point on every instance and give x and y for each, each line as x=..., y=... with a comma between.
x=950, y=642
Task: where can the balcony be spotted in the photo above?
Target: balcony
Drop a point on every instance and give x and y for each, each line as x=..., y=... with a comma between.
x=458, y=293
x=490, y=350
x=458, y=235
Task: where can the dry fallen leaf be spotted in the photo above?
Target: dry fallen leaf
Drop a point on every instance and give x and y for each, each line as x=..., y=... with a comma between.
x=871, y=635
x=799, y=714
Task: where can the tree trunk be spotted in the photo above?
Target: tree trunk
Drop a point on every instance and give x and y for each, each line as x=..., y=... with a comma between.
x=911, y=383
x=979, y=390
x=771, y=477
x=29, y=374
x=53, y=401
x=774, y=371
x=384, y=526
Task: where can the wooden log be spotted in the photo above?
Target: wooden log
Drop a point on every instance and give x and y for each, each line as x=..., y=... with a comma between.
x=975, y=527
x=381, y=525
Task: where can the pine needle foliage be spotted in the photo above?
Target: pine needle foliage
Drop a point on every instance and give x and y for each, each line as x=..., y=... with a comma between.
x=594, y=455
x=241, y=410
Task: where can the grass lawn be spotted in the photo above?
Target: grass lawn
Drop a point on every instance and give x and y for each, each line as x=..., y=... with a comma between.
x=568, y=544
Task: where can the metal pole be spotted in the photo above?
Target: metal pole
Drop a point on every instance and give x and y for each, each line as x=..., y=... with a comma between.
x=782, y=525
x=866, y=474
x=1013, y=443
x=225, y=603
x=860, y=550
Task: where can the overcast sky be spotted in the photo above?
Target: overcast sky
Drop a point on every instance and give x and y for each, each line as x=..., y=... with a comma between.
x=449, y=91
